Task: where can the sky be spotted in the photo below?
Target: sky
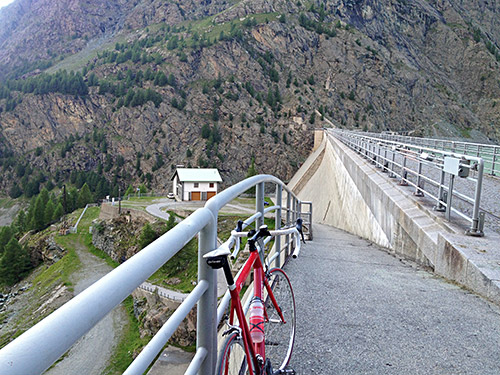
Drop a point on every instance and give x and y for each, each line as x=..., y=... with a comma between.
x=5, y=2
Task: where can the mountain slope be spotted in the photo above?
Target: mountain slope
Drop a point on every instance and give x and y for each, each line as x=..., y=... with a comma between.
x=217, y=83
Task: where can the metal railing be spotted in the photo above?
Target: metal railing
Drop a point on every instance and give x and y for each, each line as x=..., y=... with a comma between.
x=425, y=169
x=490, y=153
x=38, y=348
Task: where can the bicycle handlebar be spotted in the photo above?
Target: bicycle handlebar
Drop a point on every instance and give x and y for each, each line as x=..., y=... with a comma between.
x=253, y=235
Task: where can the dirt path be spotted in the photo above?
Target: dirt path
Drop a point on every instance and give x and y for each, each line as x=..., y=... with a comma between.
x=91, y=353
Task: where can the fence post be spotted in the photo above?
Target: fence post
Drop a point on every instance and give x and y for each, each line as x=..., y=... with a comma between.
x=439, y=206
x=206, y=324
x=310, y=221
x=475, y=229
x=449, y=198
x=393, y=175
x=419, y=188
x=495, y=149
x=277, y=224
x=404, y=173
x=288, y=222
x=259, y=204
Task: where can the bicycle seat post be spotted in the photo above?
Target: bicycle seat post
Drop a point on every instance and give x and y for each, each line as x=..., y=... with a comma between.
x=217, y=261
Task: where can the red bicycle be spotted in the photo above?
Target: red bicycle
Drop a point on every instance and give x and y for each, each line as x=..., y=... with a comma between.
x=262, y=345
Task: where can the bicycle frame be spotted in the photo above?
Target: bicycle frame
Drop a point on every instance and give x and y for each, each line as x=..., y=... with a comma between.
x=251, y=349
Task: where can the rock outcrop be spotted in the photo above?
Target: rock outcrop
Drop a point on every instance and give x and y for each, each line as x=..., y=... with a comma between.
x=255, y=72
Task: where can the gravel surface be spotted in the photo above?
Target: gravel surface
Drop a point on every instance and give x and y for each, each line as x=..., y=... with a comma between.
x=362, y=311
x=91, y=353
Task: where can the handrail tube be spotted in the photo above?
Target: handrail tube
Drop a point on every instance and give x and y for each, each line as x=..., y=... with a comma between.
x=272, y=208
x=196, y=362
x=38, y=348
x=488, y=151
x=156, y=344
x=447, y=153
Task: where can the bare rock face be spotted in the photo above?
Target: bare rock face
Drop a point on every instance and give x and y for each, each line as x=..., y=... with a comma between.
x=118, y=237
x=263, y=70
x=153, y=312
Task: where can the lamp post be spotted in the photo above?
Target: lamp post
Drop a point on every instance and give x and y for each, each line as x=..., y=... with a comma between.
x=119, y=201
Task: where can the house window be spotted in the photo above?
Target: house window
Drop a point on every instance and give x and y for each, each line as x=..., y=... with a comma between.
x=196, y=184
x=211, y=185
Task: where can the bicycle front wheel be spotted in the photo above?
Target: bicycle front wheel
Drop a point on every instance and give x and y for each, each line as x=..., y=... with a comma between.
x=232, y=358
x=279, y=335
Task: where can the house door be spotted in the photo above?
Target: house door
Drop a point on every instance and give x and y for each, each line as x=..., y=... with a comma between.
x=210, y=194
x=195, y=196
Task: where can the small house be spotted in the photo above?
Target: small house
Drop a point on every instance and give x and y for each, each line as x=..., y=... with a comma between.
x=195, y=184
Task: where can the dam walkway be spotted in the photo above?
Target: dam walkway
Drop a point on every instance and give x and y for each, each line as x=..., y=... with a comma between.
x=361, y=310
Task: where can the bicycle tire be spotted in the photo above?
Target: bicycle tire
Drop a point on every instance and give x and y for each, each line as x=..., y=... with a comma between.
x=232, y=359
x=279, y=336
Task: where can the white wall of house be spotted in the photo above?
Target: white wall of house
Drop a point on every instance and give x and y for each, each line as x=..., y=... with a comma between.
x=174, y=183
x=202, y=187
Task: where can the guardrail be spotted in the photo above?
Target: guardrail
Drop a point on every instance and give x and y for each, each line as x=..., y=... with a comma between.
x=426, y=170
x=75, y=228
x=488, y=152
x=155, y=289
x=38, y=348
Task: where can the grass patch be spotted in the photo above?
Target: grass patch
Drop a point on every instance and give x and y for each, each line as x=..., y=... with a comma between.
x=183, y=265
x=130, y=342
x=59, y=271
x=465, y=133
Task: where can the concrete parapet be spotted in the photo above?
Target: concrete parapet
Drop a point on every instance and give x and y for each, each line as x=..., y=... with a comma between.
x=472, y=262
x=351, y=194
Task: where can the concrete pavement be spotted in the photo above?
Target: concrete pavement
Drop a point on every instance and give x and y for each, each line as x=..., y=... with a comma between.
x=361, y=310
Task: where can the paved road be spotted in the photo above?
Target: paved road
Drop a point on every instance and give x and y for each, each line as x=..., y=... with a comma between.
x=363, y=311
x=159, y=209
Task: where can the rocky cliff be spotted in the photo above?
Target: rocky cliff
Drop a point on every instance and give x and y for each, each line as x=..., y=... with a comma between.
x=217, y=83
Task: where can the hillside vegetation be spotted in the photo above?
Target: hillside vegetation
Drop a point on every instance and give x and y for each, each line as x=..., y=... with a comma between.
x=149, y=84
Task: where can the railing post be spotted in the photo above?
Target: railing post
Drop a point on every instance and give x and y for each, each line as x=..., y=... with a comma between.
x=277, y=224
x=440, y=206
x=259, y=204
x=495, y=149
x=206, y=324
x=310, y=221
x=419, y=188
x=288, y=221
x=475, y=229
x=393, y=175
x=404, y=173
x=449, y=198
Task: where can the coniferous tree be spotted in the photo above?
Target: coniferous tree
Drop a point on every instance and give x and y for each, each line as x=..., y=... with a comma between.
x=39, y=214
x=147, y=236
x=49, y=212
x=71, y=199
x=5, y=236
x=58, y=212
x=85, y=196
x=21, y=221
x=14, y=263
x=44, y=194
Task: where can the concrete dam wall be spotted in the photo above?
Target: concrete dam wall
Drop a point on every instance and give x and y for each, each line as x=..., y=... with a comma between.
x=351, y=194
